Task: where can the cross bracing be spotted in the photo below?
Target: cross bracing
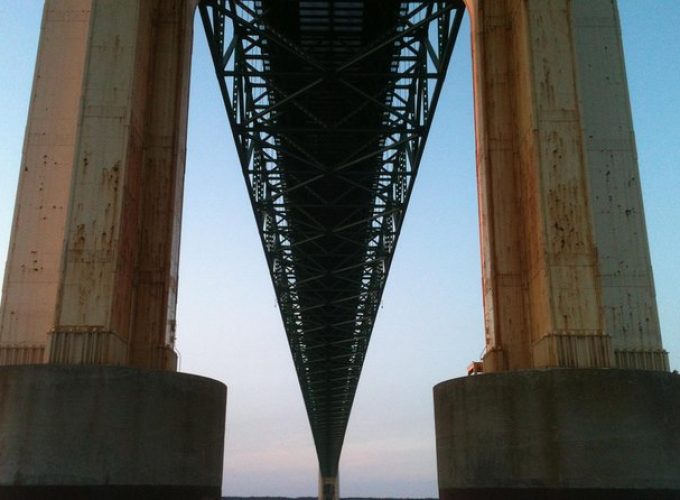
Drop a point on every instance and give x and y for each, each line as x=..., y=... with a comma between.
x=330, y=103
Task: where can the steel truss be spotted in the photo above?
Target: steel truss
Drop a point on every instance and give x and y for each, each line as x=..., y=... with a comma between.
x=330, y=103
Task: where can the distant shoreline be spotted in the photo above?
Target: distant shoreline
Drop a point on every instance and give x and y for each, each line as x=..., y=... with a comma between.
x=315, y=498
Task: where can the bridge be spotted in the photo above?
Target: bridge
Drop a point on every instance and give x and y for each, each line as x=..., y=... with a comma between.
x=330, y=106
x=330, y=103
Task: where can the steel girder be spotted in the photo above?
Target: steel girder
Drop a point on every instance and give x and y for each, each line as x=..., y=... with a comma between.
x=330, y=103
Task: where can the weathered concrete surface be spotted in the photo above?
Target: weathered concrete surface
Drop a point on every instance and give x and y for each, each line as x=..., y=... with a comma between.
x=121, y=252
x=541, y=296
x=541, y=434
x=628, y=300
x=162, y=186
x=32, y=273
x=92, y=269
x=109, y=429
x=545, y=140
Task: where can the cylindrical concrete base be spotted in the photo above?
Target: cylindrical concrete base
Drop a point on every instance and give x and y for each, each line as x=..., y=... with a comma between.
x=559, y=434
x=109, y=432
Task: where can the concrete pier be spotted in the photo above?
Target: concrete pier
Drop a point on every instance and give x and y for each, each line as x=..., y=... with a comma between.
x=567, y=280
x=554, y=434
x=329, y=487
x=109, y=432
x=91, y=276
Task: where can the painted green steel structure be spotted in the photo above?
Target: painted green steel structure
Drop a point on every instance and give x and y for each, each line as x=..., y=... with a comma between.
x=330, y=103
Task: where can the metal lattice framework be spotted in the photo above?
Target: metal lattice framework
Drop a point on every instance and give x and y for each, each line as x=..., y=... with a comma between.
x=330, y=103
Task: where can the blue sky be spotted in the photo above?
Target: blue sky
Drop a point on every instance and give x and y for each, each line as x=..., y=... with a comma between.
x=430, y=323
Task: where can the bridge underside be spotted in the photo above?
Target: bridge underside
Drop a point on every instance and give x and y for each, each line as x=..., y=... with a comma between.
x=330, y=103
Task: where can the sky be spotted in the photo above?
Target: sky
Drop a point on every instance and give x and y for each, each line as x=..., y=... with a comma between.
x=429, y=326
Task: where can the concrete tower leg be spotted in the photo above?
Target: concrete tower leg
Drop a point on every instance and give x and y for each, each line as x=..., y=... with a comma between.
x=566, y=273
x=329, y=487
x=33, y=270
x=118, y=276
x=92, y=270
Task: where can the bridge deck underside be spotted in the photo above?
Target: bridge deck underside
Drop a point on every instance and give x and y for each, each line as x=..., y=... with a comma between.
x=330, y=103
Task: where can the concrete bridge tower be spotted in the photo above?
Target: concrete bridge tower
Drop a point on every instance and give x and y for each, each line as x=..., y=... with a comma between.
x=90, y=403
x=576, y=400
